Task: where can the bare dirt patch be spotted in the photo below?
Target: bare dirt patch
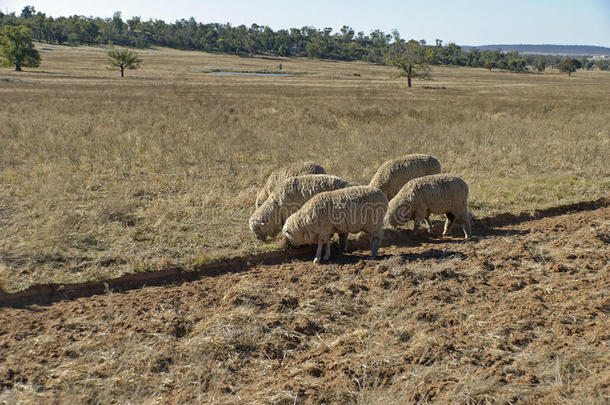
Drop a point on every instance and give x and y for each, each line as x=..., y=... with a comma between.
x=518, y=313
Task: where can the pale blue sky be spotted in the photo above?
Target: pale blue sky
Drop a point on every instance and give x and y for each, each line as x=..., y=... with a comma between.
x=466, y=22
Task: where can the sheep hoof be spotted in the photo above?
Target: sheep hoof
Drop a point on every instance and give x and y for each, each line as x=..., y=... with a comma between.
x=316, y=260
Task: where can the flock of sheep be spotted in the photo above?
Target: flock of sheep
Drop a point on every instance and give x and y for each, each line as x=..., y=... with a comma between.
x=309, y=206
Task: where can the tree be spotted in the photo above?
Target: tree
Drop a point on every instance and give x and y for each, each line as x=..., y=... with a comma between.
x=517, y=65
x=28, y=12
x=124, y=59
x=17, y=48
x=587, y=64
x=409, y=58
x=569, y=65
x=540, y=64
x=603, y=64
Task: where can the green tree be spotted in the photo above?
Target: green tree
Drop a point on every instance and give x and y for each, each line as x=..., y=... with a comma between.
x=517, y=65
x=17, y=48
x=409, y=57
x=603, y=64
x=569, y=65
x=124, y=59
x=28, y=12
x=587, y=64
x=490, y=59
x=540, y=64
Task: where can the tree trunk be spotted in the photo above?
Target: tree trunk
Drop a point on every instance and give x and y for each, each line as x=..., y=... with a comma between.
x=569, y=73
x=122, y=68
x=17, y=67
x=409, y=80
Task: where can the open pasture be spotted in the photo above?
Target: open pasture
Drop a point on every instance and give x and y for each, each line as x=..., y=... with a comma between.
x=101, y=176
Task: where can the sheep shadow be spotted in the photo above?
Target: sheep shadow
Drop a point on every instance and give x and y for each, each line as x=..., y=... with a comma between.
x=353, y=258
x=432, y=254
x=358, y=249
x=404, y=236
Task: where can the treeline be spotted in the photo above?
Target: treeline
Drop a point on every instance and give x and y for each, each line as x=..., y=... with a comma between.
x=452, y=54
x=256, y=40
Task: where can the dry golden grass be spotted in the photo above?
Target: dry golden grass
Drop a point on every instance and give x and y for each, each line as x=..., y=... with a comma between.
x=101, y=176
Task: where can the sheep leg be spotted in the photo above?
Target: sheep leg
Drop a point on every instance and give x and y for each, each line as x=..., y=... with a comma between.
x=448, y=223
x=374, y=247
x=427, y=222
x=327, y=254
x=417, y=219
x=466, y=226
x=318, y=252
x=343, y=242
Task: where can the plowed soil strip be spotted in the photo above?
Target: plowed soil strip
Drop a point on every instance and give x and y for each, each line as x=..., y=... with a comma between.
x=518, y=314
x=50, y=292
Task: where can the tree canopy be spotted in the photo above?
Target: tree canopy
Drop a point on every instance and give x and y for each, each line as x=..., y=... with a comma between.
x=409, y=57
x=570, y=65
x=124, y=59
x=17, y=48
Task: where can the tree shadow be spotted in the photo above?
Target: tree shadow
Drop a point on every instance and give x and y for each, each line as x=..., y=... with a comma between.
x=46, y=72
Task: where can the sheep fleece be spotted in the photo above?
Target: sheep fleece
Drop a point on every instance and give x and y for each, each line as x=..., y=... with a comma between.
x=348, y=210
x=394, y=174
x=436, y=194
x=287, y=198
x=293, y=170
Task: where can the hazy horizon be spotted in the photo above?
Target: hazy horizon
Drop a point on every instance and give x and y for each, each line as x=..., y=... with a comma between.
x=474, y=22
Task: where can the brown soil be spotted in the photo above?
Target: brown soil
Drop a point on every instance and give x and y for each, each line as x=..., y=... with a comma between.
x=518, y=313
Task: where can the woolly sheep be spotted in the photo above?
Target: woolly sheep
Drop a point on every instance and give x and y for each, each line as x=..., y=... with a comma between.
x=293, y=170
x=394, y=174
x=348, y=210
x=287, y=198
x=435, y=194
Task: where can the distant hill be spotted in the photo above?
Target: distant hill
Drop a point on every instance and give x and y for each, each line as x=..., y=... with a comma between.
x=572, y=50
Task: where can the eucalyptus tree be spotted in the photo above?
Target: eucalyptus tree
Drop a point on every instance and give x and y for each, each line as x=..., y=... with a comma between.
x=409, y=57
x=17, y=48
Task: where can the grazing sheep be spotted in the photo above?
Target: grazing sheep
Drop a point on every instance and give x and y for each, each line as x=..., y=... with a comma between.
x=293, y=170
x=348, y=210
x=436, y=194
x=394, y=174
x=287, y=198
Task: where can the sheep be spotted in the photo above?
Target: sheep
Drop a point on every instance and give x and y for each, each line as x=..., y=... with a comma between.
x=287, y=198
x=435, y=194
x=293, y=170
x=348, y=210
x=394, y=174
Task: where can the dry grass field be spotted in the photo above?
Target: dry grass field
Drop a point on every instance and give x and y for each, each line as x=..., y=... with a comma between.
x=101, y=176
